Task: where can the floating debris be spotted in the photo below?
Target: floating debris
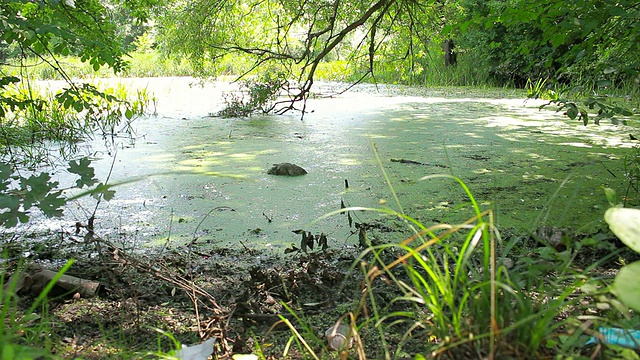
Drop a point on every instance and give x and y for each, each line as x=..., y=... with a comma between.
x=287, y=169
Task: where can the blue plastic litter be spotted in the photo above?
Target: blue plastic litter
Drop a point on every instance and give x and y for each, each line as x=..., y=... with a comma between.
x=616, y=336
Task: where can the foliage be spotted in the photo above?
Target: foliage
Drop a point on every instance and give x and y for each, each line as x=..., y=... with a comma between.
x=262, y=93
x=297, y=36
x=540, y=90
x=43, y=28
x=606, y=108
x=141, y=64
x=494, y=46
x=586, y=41
x=129, y=18
x=580, y=42
x=19, y=194
x=48, y=29
x=625, y=223
x=66, y=117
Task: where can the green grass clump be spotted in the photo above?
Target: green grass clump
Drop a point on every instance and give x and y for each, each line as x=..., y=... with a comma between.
x=25, y=334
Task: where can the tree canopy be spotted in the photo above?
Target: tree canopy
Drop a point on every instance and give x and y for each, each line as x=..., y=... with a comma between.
x=47, y=29
x=573, y=42
x=592, y=43
x=570, y=40
x=297, y=35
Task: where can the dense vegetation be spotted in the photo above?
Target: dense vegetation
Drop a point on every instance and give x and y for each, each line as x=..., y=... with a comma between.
x=580, y=48
x=583, y=55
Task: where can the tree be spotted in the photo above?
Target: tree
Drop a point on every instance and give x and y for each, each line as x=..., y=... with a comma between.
x=46, y=30
x=575, y=42
x=515, y=40
x=293, y=35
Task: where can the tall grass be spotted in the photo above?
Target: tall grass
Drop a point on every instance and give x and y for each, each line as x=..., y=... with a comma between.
x=140, y=64
x=427, y=69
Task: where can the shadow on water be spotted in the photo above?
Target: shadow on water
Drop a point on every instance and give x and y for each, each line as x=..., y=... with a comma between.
x=532, y=166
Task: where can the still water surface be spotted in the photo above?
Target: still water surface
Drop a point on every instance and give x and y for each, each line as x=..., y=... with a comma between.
x=533, y=167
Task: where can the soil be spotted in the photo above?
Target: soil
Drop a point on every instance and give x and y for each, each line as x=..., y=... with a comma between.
x=247, y=300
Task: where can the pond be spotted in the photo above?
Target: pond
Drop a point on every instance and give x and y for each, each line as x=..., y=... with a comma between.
x=532, y=167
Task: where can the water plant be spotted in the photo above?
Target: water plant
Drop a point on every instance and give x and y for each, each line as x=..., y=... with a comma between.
x=540, y=90
x=41, y=118
x=257, y=94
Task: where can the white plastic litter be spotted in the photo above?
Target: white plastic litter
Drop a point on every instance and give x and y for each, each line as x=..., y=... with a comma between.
x=337, y=336
x=196, y=352
x=245, y=357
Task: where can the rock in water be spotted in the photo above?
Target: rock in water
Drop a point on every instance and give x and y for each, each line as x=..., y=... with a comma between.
x=287, y=169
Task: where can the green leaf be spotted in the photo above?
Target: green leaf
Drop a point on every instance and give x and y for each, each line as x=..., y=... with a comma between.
x=585, y=118
x=627, y=287
x=622, y=111
x=10, y=218
x=103, y=191
x=572, y=112
x=128, y=114
x=8, y=351
x=9, y=202
x=52, y=204
x=6, y=80
x=78, y=106
x=625, y=223
x=611, y=195
x=558, y=39
x=617, y=11
x=5, y=175
x=86, y=172
x=37, y=188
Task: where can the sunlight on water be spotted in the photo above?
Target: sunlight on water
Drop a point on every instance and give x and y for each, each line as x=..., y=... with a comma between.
x=505, y=150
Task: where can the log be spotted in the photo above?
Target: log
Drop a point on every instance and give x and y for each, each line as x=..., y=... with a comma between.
x=38, y=279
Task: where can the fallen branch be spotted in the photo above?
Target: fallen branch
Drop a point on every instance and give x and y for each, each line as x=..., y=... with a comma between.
x=405, y=161
x=214, y=327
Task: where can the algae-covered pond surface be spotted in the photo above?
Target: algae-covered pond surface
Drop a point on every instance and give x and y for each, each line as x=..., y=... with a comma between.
x=533, y=167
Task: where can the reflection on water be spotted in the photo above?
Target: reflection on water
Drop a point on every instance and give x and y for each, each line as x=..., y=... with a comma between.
x=486, y=141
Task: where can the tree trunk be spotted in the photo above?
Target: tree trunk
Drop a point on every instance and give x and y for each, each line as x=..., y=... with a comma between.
x=450, y=57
